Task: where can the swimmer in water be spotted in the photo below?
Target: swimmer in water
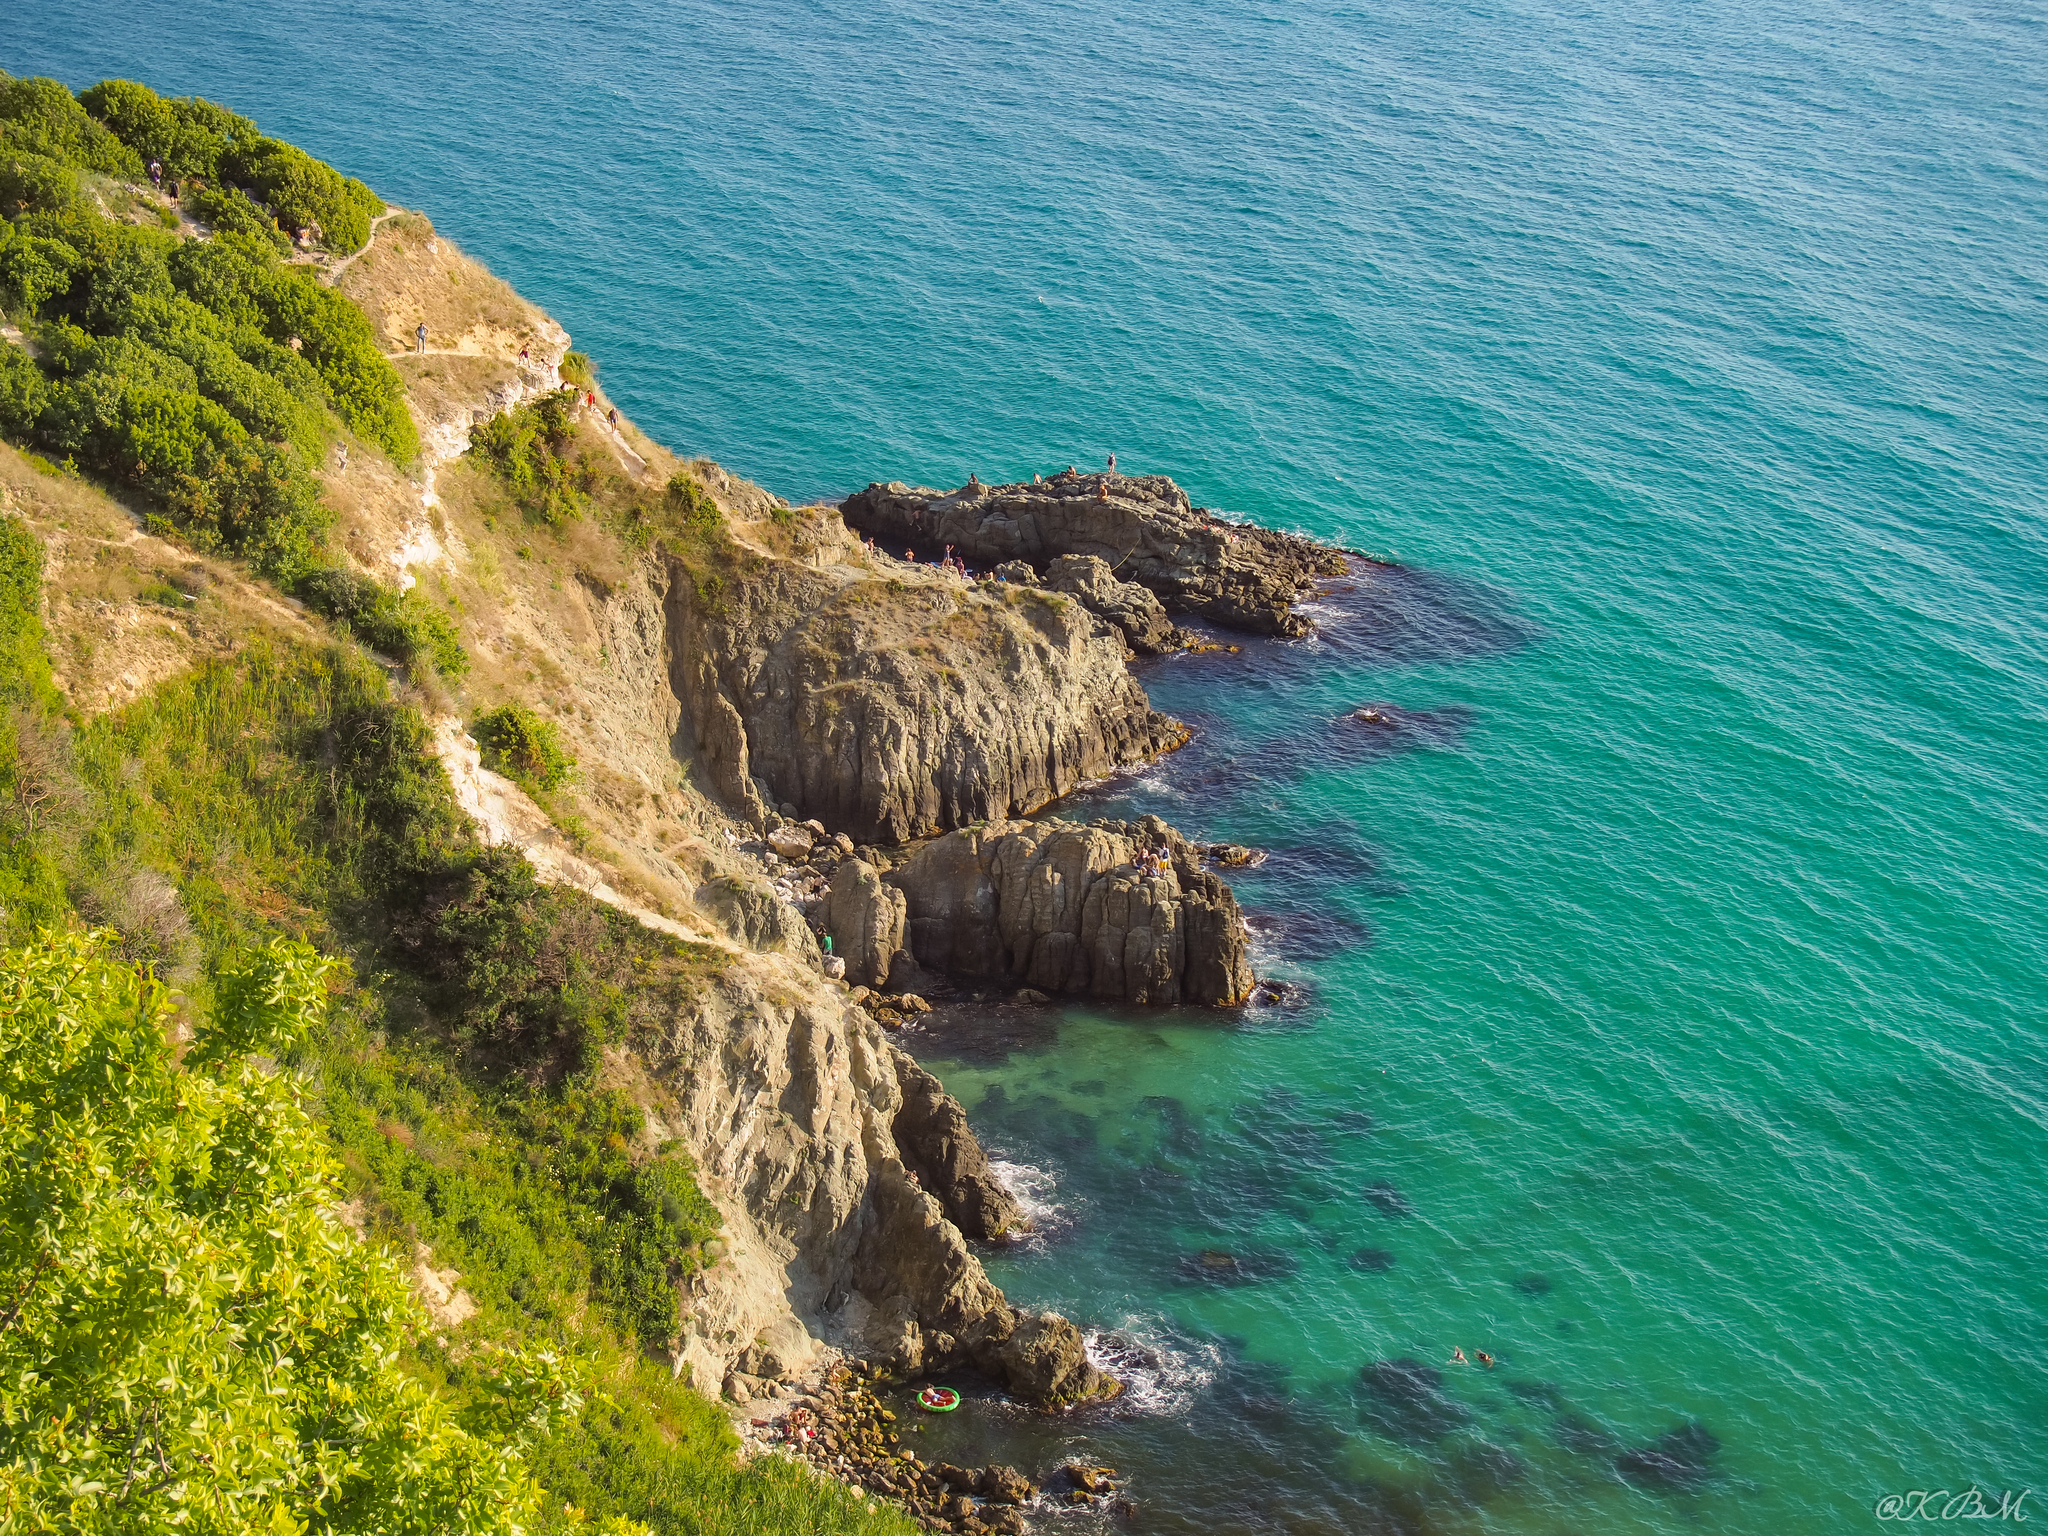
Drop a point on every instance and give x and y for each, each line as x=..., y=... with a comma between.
x=1484, y=1358
x=1458, y=1356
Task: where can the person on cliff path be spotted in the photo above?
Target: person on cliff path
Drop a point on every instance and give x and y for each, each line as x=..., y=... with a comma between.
x=421, y=334
x=613, y=416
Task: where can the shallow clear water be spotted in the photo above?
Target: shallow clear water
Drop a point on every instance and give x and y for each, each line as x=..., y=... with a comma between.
x=1679, y=973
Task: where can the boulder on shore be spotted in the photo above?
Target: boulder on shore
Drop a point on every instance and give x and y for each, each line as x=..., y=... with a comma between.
x=866, y=920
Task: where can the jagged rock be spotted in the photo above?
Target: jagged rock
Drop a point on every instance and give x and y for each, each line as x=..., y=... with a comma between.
x=1040, y=1356
x=828, y=1238
x=1065, y=909
x=1237, y=575
x=755, y=916
x=1005, y=1485
x=939, y=1146
x=866, y=920
x=1132, y=609
x=893, y=709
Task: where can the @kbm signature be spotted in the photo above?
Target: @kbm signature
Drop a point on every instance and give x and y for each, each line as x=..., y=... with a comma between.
x=1947, y=1504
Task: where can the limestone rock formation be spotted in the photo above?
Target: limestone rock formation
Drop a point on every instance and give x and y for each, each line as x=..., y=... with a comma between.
x=1068, y=909
x=939, y=1146
x=1132, y=609
x=1142, y=527
x=902, y=703
x=866, y=920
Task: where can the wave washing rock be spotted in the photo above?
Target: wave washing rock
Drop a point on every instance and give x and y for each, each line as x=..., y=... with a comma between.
x=940, y=1147
x=901, y=703
x=1067, y=909
x=1141, y=527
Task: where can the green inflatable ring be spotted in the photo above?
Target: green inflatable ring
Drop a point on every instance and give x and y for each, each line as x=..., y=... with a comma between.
x=938, y=1399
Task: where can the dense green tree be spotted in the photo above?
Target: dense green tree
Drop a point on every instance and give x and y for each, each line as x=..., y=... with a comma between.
x=193, y=1339
x=43, y=116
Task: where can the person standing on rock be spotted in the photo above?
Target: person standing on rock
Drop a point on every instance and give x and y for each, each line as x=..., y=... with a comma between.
x=1112, y=463
x=421, y=335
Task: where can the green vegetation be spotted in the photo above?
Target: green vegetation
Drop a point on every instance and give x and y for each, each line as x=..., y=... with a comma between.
x=187, y=137
x=522, y=746
x=579, y=370
x=403, y=625
x=458, y=1099
x=201, y=373
x=692, y=504
x=528, y=450
x=164, y=1223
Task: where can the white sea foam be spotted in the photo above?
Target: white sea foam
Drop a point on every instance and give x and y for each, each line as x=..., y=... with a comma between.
x=1032, y=1188
x=1162, y=1372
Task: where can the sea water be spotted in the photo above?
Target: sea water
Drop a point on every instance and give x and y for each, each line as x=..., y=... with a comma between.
x=1671, y=964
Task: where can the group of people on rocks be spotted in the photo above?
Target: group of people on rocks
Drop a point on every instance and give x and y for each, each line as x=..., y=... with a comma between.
x=951, y=564
x=1154, y=861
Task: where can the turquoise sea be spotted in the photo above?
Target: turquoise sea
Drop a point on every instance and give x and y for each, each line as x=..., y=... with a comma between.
x=1674, y=967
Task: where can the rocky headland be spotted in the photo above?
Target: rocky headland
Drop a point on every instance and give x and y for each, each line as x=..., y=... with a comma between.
x=804, y=758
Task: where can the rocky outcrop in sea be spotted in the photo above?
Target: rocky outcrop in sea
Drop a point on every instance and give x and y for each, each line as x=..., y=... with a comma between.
x=1142, y=528
x=1119, y=911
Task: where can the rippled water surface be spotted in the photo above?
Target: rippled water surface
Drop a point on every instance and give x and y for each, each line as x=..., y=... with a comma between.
x=1673, y=964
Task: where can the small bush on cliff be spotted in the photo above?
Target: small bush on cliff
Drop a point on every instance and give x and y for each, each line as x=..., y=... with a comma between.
x=44, y=118
x=228, y=210
x=187, y=137
x=32, y=183
x=526, y=449
x=691, y=503
x=403, y=625
x=523, y=747
x=302, y=192
x=579, y=370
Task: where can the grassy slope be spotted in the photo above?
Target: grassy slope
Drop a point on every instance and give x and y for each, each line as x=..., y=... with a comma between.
x=247, y=772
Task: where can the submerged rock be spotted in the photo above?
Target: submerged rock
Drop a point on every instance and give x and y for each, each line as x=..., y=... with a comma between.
x=1215, y=1266
x=1674, y=1462
x=1389, y=1200
x=1403, y=1401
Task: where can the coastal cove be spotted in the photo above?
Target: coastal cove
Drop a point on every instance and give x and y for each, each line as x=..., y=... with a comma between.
x=1666, y=941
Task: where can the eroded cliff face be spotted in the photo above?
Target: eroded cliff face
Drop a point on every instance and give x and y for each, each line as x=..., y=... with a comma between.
x=1088, y=911
x=794, y=1105
x=1141, y=527
x=890, y=702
